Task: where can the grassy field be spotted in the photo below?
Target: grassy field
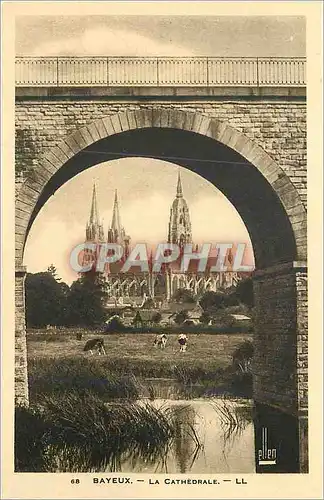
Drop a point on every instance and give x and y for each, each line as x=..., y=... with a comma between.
x=59, y=356
x=133, y=348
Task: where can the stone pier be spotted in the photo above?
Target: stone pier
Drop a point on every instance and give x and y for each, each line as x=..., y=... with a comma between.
x=21, y=376
x=281, y=362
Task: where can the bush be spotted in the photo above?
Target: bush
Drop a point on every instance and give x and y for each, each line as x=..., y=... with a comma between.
x=242, y=356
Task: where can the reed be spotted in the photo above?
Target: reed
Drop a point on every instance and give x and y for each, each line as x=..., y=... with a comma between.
x=50, y=376
x=81, y=433
x=234, y=417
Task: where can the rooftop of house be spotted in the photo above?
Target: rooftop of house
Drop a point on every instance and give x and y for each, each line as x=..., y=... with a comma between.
x=240, y=317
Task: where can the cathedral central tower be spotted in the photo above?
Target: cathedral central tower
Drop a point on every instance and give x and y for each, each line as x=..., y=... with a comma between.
x=179, y=225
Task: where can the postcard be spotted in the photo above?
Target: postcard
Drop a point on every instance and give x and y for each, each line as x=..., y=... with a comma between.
x=161, y=250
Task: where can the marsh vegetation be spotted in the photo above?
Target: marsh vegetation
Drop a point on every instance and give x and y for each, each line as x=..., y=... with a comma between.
x=136, y=411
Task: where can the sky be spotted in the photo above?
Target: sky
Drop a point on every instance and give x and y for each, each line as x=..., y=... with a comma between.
x=161, y=36
x=145, y=197
x=146, y=189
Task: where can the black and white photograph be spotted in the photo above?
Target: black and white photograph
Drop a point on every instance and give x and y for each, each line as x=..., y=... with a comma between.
x=161, y=280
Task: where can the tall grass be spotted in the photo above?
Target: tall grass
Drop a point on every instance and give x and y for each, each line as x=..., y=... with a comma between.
x=50, y=376
x=111, y=379
x=77, y=433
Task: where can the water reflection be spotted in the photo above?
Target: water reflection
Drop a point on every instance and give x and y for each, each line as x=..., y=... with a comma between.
x=203, y=441
x=185, y=444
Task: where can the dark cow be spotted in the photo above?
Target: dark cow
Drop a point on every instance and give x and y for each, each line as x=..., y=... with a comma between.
x=96, y=343
x=182, y=339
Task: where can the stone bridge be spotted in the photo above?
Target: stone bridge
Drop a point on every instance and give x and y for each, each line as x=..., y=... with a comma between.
x=240, y=124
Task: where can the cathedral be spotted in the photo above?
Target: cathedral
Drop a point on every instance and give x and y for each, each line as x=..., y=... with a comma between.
x=138, y=286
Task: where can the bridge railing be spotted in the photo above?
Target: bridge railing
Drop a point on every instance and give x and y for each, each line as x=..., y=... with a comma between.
x=159, y=71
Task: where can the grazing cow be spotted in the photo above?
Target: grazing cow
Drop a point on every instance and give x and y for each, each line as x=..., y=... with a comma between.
x=95, y=344
x=182, y=339
x=160, y=341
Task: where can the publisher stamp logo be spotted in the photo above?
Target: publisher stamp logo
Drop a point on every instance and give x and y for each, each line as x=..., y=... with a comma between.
x=266, y=455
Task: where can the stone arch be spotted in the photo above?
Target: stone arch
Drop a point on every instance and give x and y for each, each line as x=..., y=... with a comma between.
x=280, y=379
x=123, y=122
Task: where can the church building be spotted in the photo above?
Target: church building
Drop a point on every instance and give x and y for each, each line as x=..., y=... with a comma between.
x=137, y=286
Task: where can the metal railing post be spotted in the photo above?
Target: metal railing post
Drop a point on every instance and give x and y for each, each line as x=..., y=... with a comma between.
x=57, y=71
x=257, y=68
x=207, y=71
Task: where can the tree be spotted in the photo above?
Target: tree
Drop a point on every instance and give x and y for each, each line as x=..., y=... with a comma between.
x=212, y=301
x=183, y=296
x=137, y=320
x=181, y=316
x=157, y=317
x=242, y=356
x=244, y=292
x=86, y=300
x=149, y=303
x=205, y=318
x=46, y=300
x=115, y=325
x=53, y=271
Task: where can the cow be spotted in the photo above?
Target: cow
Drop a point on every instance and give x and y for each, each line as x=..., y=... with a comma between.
x=96, y=343
x=160, y=341
x=182, y=339
x=78, y=335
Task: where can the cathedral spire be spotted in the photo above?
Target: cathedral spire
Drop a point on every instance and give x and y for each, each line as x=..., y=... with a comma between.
x=115, y=223
x=94, y=217
x=179, y=186
x=94, y=230
x=116, y=232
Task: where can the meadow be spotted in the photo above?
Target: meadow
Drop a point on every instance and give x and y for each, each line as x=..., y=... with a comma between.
x=87, y=411
x=135, y=353
x=57, y=360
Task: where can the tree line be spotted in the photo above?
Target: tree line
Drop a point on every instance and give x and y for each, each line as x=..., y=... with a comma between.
x=49, y=301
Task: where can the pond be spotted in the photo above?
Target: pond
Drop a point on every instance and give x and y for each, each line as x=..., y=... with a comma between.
x=213, y=435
